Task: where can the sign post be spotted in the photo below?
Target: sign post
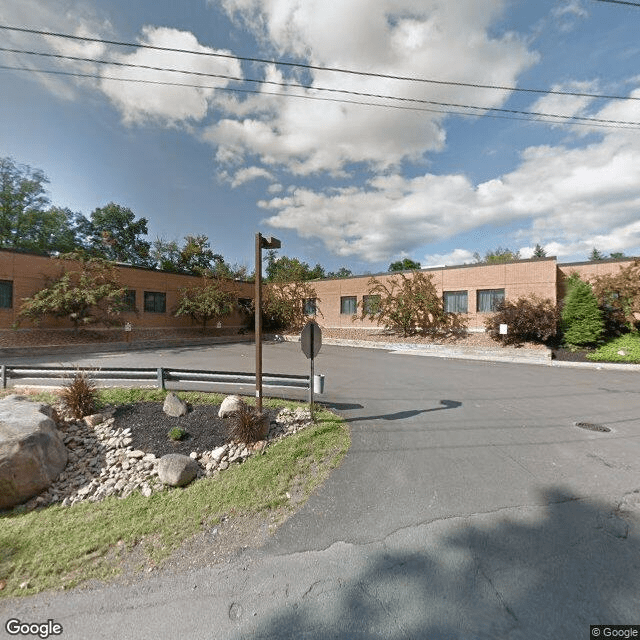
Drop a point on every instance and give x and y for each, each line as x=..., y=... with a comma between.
x=310, y=342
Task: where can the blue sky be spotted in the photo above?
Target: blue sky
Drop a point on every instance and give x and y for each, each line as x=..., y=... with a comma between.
x=339, y=183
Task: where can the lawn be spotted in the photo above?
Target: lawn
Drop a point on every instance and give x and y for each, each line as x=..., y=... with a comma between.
x=626, y=348
x=59, y=547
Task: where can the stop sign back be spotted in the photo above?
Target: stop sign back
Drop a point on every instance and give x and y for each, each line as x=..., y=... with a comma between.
x=311, y=339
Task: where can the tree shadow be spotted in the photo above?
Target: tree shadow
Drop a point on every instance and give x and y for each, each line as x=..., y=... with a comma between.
x=401, y=415
x=533, y=573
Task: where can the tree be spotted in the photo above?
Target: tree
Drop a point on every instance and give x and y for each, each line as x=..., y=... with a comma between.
x=404, y=265
x=581, y=319
x=342, y=272
x=54, y=231
x=283, y=304
x=91, y=294
x=529, y=319
x=617, y=255
x=22, y=196
x=596, y=255
x=539, y=251
x=498, y=256
x=286, y=269
x=619, y=297
x=214, y=300
x=115, y=234
x=409, y=305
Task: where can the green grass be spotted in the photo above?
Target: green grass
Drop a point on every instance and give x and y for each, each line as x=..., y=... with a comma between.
x=58, y=547
x=630, y=343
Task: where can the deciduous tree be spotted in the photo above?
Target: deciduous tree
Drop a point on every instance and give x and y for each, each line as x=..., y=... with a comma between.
x=410, y=304
x=528, y=319
x=214, y=300
x=87, y=295
x=404, y=265
x=618, y=295
x=498, y=256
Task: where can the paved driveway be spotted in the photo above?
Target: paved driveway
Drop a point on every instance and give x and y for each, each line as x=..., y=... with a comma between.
x=469, y=506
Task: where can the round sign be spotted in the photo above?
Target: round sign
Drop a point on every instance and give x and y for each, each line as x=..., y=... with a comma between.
x=311, y=339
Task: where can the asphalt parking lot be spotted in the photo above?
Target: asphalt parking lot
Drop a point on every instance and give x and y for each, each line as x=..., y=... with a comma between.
x=470, y=505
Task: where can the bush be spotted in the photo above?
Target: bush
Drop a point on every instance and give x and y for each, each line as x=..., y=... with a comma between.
x=529, y=319
x=177, y=433
x=582, y=322
x=79, y=396
x=247, y=425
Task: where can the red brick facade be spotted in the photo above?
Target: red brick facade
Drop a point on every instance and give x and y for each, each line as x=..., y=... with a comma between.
x=22, y=275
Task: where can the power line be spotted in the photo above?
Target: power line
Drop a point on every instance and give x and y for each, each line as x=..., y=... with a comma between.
x=513, y=114
x=630, y=4
x=314, y=88
x=318, y=67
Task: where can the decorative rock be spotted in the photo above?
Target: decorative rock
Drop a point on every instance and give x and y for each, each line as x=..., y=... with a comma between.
x=230, y=405
x=217, y=454
x=32, y=452
x=174, y=406
x=136, y=454
x=94, y=419
x=622, y=352
x=194, y=455
x=177, y=470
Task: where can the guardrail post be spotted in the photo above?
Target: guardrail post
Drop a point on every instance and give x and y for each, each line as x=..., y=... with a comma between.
x=161, y=378
x=3, y=376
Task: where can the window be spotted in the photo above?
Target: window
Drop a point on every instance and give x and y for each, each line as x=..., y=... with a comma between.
x=155, y=302
x=6, y=294
x=370, y=304
x=348, y=305
x=488, y=299
x=129, y=300
x=455, y=301
x=310, y=308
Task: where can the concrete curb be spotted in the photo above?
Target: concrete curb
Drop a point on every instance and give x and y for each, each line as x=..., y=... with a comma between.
x=502, y=354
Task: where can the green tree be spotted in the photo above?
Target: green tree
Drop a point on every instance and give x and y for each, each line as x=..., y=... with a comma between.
x=87, y=295
x=54, y=231
x=342, y=272
x=498, y=256
x=404, y=265
x=22, y=199
x=283, y=305
x=581, y=318
x=214, y=300
x=115, y=234
x=286, y=269
x=596, y=255
x=411, y=304
x=539, y=251
x=617, y=255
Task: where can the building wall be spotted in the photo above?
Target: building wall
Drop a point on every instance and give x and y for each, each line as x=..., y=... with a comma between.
x=29, y=273
x=520, y=278
x=588, y=271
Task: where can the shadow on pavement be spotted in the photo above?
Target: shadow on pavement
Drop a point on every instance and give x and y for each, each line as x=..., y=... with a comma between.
x=401, y=415
x=530, y=574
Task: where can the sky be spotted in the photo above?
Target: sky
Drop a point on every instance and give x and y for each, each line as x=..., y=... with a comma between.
x=341, y=175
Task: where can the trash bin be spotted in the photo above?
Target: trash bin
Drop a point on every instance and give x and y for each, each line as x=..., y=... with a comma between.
x=318, y=384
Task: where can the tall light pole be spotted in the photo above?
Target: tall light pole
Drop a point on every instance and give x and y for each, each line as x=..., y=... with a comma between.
x=261, y=243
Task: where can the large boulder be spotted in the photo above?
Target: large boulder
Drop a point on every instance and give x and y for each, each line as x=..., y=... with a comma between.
x=174, y=406
x=177, y=470
x=32, y=451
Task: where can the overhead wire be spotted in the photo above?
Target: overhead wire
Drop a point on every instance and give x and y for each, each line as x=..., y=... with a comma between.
x=630, y=4
x=559, y=119
x=229, y=56
x=568, y=118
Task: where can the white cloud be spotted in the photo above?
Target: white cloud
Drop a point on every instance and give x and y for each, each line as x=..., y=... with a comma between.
x=434, y=39
x=568, y=199
x=139, y=101
x=68, y=17
x=249, y=173
x=457, y=256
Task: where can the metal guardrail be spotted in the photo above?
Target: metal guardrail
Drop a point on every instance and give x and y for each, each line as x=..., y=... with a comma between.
x=161, y=375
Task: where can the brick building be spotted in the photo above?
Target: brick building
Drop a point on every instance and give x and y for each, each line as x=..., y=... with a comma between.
x=470, y=289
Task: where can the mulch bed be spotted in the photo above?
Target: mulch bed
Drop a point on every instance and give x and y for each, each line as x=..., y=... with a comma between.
x=150, y=426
